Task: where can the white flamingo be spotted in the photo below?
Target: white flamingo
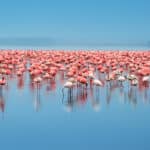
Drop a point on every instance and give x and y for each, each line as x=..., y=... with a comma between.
x=134, y=82
x=146, y=79
x=121, y=78
x=97, y=82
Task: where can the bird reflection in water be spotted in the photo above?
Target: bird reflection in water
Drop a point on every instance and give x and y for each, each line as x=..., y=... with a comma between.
x=20, y=83
x=37, y=102
x=61, y=77
x=126, y=93
x=51, y=85
x=81, y=94
x=2, y=102
x=69, y=103
x=146, y=96
x=132, y=95
x=144, y=88
x=111, y=86
x=74, y=97
x=95, y=99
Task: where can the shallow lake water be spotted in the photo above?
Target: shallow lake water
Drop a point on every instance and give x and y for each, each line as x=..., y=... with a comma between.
x=116, y=116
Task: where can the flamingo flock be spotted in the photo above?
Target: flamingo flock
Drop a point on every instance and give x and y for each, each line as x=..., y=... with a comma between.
x=80, y=70
x=78, y=67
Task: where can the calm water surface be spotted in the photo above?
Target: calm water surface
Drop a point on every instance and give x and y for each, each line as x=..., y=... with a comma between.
x=111, y=117
x=116, y=116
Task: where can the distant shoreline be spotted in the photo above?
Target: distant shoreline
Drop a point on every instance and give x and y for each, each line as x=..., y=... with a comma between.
x=67, y=47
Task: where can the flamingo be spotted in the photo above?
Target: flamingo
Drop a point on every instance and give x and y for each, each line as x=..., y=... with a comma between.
x=121, y=78
x=37, y=81
x=97, y=82
x=131, y=77
x=68, y=85
x=134, y=82
x=2, y=81
x=146, y=79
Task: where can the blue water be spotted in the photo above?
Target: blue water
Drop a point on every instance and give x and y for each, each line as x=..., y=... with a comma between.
x=104, y=118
